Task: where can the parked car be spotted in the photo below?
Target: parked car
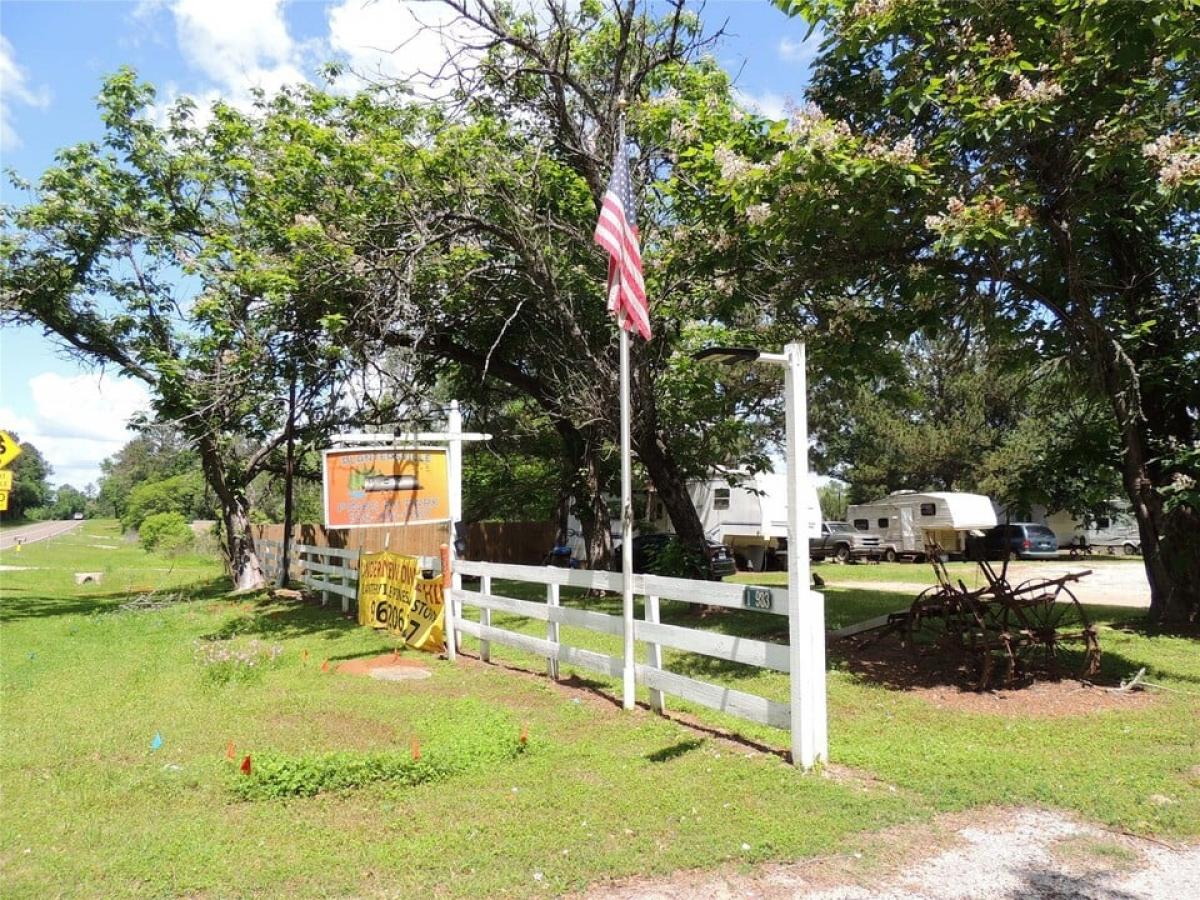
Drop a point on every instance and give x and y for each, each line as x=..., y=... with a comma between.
x=844, y=543
x=1016, y=540
x=647, y=547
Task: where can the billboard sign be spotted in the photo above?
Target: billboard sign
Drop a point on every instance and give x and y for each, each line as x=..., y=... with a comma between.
x=371, y=486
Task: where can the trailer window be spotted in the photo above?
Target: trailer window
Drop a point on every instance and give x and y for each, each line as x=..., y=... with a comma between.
x=929, y=509
x=862, y=524
x=1102, y=522
x=882, y=523
x=721, y=498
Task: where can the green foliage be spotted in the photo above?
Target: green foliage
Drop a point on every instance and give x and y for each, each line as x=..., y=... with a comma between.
x=677, y=559
x=158, y=453
x=276, y=776
x=182, y=494
x=1029, y=169
x=165, y=533
x=834, y=500
x=67, y=502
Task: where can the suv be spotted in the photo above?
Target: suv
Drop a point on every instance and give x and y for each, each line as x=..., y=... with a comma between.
x=647, y=547
x=844, y=542
x=1016, y=540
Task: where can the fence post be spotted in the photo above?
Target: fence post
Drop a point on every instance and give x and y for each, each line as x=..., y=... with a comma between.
x=327, y=576
x=449, y=624
x=552, y=630
x=654, y=655
x=485, y=618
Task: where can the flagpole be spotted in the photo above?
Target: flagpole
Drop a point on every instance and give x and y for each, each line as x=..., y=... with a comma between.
x=628, y=694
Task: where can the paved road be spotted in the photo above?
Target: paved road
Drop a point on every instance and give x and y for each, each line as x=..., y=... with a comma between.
x=38, y=531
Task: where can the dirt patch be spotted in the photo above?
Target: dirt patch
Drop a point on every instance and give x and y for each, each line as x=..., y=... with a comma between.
x=979, y=853
x=948, y=684
x=364, y=665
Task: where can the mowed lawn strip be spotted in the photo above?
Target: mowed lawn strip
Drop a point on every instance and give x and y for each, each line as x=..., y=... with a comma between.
x=91, y=808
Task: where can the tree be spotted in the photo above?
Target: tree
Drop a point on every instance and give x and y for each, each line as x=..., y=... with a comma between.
x=31, y=487
x=475, y=254
x=68, y=501
x=1036, y=160
x=146, y=252
x=157, y=453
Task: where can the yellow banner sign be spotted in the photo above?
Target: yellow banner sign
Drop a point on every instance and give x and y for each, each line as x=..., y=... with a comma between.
x=3, y=500
x=386, y=582
x=391, y=595
x=5, y=480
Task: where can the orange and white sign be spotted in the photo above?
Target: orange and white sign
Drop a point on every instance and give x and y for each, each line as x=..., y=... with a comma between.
x=370, y=486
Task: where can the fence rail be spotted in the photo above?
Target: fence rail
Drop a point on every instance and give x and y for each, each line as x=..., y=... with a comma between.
x=335, y=571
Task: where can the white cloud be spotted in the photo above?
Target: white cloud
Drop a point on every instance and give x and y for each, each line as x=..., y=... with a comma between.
x=768, y=103
x=78, y=421
x=237, y=46
x=15, y=88
x=398, y=39
x=798, y=50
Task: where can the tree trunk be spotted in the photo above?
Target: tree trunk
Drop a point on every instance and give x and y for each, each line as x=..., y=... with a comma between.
x=669, y=480
x=589, y=489
x=241, y=556
x=1170, y=540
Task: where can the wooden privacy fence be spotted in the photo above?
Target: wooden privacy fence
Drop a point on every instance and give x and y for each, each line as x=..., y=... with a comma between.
x=332, y=570
x=411, y=540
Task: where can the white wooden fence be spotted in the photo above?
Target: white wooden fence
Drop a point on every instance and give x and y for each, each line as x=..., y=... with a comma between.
x=334, y=571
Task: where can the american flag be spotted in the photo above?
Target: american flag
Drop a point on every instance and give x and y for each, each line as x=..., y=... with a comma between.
x=616, y=232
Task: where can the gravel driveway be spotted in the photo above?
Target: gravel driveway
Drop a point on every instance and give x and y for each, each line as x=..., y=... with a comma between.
x=1012, y=853
x=1113, y=583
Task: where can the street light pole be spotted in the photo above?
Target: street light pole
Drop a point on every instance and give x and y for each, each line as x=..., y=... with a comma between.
x=806, y=607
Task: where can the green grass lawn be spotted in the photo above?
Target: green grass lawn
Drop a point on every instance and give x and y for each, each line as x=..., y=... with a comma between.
x=90, y=808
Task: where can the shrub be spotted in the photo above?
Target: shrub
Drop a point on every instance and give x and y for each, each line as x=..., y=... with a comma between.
x=165, y=532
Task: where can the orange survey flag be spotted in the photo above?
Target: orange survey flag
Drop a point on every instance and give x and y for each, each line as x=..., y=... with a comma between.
x=246, y=765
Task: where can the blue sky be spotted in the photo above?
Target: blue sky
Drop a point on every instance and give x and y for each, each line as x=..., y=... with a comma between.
x=53, y=56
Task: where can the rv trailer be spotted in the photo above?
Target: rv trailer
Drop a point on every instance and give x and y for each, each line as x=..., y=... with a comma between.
x=1116, y=533
x=748, y=514
x=906, y=519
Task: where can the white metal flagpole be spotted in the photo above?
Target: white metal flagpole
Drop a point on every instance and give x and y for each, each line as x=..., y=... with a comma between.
x=628, y=695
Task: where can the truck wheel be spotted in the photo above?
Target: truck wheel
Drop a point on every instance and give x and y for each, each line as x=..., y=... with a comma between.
x=842, y=553
x=889, y=555
x=1130, y=549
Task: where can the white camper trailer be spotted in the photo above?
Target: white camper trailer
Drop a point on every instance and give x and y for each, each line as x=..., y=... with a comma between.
x=903, y=520
x=1116, y=533
x=750, y=517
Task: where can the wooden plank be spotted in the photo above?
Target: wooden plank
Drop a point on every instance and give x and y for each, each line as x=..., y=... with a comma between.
x=868, y=625
x=527, y=608
x=709, y=593
x=748, y=651
x=337, y=552
x=727, y=700
x=330, y=570
x=571, y=656
x=591, y=579
x=565, y=615
x=339, y=589
x=587, y=659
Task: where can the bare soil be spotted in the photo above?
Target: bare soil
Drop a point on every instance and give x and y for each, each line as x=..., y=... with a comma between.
x=948, y=683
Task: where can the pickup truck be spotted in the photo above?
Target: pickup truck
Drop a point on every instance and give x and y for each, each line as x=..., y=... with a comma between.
x=844, y=543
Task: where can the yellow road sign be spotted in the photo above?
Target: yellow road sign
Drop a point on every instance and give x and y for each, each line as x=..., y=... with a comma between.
x=9, y=449
x=3, y=500
x=5, y=480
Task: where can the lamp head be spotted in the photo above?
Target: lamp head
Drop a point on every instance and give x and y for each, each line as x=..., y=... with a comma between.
x=728, y=356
